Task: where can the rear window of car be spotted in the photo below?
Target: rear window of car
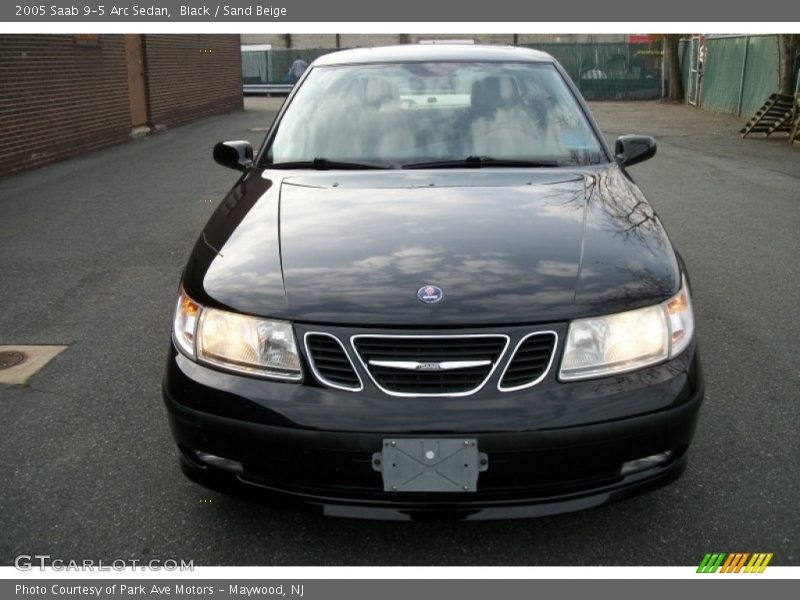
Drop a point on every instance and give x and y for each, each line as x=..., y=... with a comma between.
x=402, y=113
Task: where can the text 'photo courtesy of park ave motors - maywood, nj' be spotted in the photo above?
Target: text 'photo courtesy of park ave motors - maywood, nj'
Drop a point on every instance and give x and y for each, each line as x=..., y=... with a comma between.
x=158, y=590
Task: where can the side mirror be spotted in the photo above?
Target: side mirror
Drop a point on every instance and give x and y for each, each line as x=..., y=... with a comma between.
x=234, y=155
x=632, y=149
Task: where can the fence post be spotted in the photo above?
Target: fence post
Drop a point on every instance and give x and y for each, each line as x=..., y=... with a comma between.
x=741, y=79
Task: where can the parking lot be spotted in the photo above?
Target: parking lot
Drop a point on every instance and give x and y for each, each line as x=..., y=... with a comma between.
x=91, y=251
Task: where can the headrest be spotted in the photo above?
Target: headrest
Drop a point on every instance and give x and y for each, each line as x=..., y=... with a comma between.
x=376, y=91
x=495, y=92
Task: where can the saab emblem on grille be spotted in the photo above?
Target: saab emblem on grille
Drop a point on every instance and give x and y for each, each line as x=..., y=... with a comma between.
x=429, y=366
x=430, y=294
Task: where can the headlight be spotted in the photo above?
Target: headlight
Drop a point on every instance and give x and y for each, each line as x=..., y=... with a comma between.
x=235, y=342
x=184, y=326
x=625, y=341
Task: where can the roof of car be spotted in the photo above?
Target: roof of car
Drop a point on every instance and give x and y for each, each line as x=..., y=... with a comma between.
x=433, y=52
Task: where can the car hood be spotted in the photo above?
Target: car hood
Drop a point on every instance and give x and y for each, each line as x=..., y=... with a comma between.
x=505, y=246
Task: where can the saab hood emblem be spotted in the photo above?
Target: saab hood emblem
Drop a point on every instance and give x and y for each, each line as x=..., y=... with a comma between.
x=429, y=366
x=430, y=294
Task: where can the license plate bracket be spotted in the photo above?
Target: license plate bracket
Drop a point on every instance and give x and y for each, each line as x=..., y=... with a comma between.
x=430, y=464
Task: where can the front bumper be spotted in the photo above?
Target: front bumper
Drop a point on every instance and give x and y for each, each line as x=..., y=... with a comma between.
x=553, y=448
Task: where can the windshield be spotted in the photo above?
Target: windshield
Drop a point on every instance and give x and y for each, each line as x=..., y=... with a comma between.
x=407, y=114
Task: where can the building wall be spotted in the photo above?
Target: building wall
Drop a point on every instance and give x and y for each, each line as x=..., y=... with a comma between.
x=189, y=77
x=64, y=95
x=60, y=99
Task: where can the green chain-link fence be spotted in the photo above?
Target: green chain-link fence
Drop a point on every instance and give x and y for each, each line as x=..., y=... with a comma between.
x=610, y=71
x=602, y=71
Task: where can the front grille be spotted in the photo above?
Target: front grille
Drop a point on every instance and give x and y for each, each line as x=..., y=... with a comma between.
x=530, y=361
x=430, y=365
x=330, y=362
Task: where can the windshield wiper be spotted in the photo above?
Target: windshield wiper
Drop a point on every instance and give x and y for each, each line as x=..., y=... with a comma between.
x=479, y=162
x=323, y=164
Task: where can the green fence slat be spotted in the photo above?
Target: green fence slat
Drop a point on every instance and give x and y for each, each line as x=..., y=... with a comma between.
x=762, y=76
x=722, y=73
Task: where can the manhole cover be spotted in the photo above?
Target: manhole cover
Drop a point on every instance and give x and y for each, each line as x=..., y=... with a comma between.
x=10, y=358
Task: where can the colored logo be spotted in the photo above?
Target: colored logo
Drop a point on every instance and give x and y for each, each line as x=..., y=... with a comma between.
x=430, y=294
x=735, y=562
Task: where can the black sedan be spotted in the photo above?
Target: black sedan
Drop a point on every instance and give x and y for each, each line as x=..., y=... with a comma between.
x=434, y=291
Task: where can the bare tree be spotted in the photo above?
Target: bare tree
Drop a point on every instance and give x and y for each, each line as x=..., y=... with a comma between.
x=675, y=89
x=789, y=49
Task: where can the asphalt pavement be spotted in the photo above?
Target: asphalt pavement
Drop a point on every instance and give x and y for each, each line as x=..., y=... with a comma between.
x=91, y=251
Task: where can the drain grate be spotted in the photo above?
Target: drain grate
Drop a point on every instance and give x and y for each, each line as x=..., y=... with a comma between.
x=10, y=358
